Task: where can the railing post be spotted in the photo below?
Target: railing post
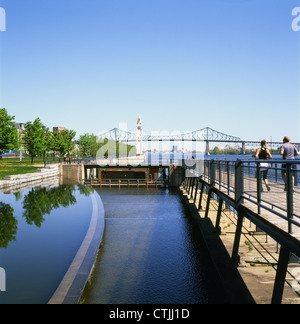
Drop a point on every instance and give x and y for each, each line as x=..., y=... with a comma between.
x=206, y=167
x=280, y=275
x=192, y=191
x=196, y=191
x=208, y=202
x=295, y=177
x=212, y=173
x=220, y=175
x=239, y=182
x=201, y=195
x=185, y=183
x=237, y=239
x=289, y=196
x=218, y=228
x=228, y=177
x=190, y=185
x=258, y=186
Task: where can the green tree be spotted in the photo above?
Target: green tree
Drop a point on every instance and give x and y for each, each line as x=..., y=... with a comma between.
x=91, y=145
x=48, y=142
x=63, y=142
x=34, y=138
x=86, y=144
x=9, y=139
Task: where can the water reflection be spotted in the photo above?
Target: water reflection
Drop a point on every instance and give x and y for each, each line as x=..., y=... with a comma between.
x=8, y=225
x=41, y=201
x=37, y=203
x=84, y=190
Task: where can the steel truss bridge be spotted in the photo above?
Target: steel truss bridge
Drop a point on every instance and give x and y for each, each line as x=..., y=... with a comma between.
x=206, y=134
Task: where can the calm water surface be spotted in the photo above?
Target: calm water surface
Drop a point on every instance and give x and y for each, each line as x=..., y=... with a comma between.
x=41, y=230
x=151, y=253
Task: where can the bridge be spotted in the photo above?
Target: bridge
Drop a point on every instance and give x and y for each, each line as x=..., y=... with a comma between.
x=206, y=135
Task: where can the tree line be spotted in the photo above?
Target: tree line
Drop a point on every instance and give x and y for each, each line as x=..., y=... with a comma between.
x=237, y=151
x=38, y=140
x=92, y=145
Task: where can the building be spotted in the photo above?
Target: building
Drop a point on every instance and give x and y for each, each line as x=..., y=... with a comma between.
x=20, y=127
x=58, y=129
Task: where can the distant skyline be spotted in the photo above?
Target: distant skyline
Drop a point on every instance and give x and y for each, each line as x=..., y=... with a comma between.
x=182, y=65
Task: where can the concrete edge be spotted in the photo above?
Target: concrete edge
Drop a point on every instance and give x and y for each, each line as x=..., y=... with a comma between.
x=72, y=285
x=28, y=178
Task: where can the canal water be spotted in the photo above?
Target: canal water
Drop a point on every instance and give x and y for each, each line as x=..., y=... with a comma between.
x=41, y=230
x=151, y=253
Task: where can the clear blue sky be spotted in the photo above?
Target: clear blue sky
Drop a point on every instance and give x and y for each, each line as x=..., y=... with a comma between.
x=232, y=65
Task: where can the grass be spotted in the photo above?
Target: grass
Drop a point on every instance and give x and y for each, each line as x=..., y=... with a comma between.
x=16, y=169
x=16, y=161
x=249, y=245
x=12, y=166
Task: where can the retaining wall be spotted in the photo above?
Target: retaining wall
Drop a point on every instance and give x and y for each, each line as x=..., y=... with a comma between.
x=19, y=180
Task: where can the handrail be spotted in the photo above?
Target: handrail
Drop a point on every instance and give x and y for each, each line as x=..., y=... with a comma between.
x=232, y=176
x=288, y=243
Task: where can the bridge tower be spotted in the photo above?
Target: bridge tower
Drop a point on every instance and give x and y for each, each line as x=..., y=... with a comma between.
x=139, y=136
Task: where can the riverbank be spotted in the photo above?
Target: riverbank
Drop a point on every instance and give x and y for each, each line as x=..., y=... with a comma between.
x=8, y=170
x=18, y=180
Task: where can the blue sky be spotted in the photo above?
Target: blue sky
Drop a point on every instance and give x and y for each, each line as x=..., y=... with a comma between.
x=232, y=65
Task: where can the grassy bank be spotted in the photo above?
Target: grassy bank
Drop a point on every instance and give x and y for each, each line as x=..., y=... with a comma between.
x=6, y=170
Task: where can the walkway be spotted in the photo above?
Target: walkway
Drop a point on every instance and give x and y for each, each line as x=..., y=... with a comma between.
x=259, y=254
x=275, y=200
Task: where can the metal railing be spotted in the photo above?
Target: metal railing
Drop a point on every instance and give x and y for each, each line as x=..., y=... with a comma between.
x=243, y=180
x=238, y=185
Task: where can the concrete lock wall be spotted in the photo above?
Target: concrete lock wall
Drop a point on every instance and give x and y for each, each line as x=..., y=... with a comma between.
x=176, y=175
x=72, y=173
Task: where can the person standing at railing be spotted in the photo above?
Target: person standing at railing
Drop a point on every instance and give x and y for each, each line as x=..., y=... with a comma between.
x=264, y=153
x=288, y=152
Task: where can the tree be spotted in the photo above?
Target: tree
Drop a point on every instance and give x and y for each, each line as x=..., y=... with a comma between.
x=9, y=139
x=48, y=142
x=85, y=144
x=35, y=141
x=63, y=142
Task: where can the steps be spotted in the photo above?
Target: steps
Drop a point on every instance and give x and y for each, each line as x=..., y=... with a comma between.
x=44, y=173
